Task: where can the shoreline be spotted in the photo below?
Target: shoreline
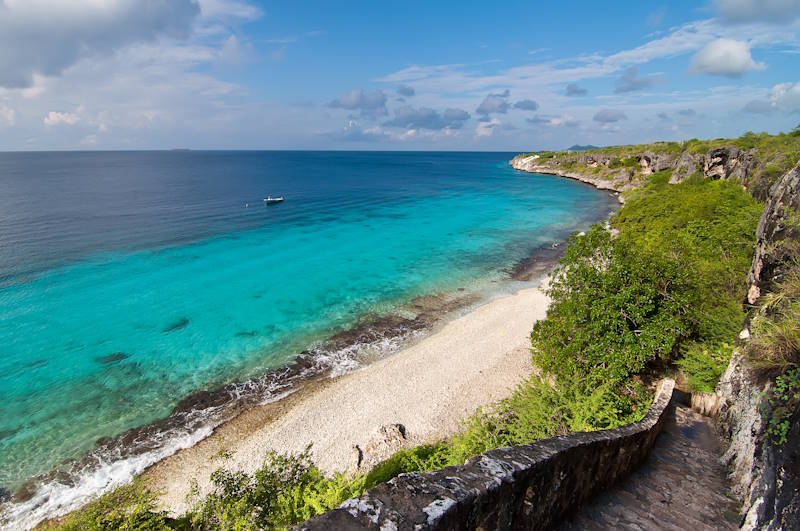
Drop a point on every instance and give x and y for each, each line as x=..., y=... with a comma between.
x=428, y=388
x=527, y=163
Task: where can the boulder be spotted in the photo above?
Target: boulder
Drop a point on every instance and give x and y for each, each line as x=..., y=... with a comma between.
x=383, y=442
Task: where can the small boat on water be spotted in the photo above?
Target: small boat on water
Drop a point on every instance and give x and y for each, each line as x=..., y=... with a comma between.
x=269, y=200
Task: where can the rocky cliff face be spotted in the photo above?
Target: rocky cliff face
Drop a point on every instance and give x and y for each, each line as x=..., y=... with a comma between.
x=622, y=173
x=766, y=475
x=778, y=228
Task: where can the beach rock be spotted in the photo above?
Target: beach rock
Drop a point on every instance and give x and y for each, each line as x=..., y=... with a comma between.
x=384, y=441
x=180, y=324
x=111, y=358
x=777, y=235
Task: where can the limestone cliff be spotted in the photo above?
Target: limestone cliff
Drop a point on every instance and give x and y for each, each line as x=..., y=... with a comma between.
x=617, y=170
x=766, y=475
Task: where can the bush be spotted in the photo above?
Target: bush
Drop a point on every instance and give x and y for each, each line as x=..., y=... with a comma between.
x=775, y=333
x=285, y=490
x=614, y=310
x=703, y=364
x=130, y=507
x=785, y=399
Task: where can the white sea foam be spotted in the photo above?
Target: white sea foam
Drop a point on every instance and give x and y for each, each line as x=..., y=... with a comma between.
x=55, y=499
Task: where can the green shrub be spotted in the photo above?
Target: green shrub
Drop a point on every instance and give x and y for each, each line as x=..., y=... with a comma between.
x=775, y=331
x=615, y=308
x=785, y=399
x=130, y=507
x=703, y=364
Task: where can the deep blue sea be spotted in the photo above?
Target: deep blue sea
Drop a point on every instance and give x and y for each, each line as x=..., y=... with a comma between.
x=131, y=280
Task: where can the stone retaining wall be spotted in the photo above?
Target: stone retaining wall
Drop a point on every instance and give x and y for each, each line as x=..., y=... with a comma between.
x=524, y=487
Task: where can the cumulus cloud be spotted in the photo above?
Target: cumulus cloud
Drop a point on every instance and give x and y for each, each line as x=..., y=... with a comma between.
x=630, y=81
x=526, y=105
x=609, y=116
x=784, y=97
x=369, y=103
x=494, y=103
x=553, y=121
x=229, y=9
x=485, y=129
x=7, y=116
x=778, y=11
x=54, y=118
x=45, y=37
x=405, y=90
x=352, y=132
x=725, y=57
x=424, y=118
x=687, y=113
x=574, y=90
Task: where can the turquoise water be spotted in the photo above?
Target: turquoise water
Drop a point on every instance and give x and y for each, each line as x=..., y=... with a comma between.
x=98, y=341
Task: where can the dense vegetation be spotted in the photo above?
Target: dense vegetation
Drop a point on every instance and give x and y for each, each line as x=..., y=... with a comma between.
x=662, y=290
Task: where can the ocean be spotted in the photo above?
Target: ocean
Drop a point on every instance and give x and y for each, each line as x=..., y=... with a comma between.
x=147, y=296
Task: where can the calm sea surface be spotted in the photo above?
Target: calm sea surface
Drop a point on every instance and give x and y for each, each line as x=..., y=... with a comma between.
x=129, y=280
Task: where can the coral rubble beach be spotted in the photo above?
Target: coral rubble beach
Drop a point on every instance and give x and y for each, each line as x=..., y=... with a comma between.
x=427, y=389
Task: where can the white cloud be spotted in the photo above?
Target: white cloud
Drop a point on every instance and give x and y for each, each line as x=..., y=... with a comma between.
x=786, y=97
x=7, y=116
x=54, y=118
x=47, y=36
x=725, y=57
x=780, y=11
x=410, y=117
x=494, y=103
x=608, y=116
x=229, y=9
x=485, y=129
x=369, y=103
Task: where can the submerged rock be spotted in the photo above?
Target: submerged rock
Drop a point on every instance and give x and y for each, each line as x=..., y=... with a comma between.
x=180, y=324
x=112, y=358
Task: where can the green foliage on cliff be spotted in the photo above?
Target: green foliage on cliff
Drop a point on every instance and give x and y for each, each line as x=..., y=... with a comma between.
x=668, y=287
x=774, y=347
x=130, y=507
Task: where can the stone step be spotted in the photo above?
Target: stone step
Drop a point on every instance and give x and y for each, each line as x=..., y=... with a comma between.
x=682, y=485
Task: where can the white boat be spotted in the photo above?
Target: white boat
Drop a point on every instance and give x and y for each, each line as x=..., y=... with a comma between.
x=269, y=199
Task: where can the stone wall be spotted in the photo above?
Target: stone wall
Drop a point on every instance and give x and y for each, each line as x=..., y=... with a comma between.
x=524, y=487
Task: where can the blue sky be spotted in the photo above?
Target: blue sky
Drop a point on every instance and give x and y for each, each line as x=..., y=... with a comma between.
x=143, y=74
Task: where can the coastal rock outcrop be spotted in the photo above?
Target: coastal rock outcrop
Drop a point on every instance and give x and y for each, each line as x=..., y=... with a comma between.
x=728, y=163
x=686, y=165
x=778, y=230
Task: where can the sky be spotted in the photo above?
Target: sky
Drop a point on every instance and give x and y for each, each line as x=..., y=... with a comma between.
x=510, y=76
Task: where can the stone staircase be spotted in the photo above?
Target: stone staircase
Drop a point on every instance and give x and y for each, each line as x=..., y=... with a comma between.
x=680, y=486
